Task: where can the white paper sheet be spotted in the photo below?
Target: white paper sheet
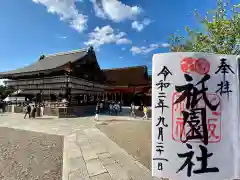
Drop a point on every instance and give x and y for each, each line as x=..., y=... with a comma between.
x=212, y=121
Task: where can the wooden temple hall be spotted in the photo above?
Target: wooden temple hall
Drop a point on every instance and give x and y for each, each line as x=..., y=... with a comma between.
x=76, y=77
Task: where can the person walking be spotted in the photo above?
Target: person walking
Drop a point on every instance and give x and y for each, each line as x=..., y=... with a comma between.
x=28, y=111
x=120, y=106
x=34, y=109
x=41, y=110
x=110, y=108
x=145, y=111
x=4, y=107
x=101, y=106
x=132, y=110
x=97, y=112
x=116, y=108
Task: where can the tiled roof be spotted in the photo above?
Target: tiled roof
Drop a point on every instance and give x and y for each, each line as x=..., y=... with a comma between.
x=50, y=62
x=135, y=75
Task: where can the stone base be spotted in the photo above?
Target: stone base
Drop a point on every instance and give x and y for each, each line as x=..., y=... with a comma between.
x=61, y=112
x=30, y=155
x=68, y=112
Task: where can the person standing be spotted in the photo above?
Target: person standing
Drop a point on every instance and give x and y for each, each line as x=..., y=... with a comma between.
x=41, y=110
x=120, y=106
x=116, y=108
x=97, y=112
x=101, y=106
x=132, y=111
x=28, y=111
x=110, y=108
x=34, y=112
x=4, y=107
x=145, y=111
x=140, y=108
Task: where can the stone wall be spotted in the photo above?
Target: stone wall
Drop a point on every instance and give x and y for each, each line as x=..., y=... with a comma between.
x=30, y=155
x=51, y=111
x=76, y=111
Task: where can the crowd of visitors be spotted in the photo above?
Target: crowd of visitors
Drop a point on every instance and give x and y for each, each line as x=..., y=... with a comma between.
x=115, y=108
x=109, y=107
x=141, y=108
x=102, y=107
x=31, y=110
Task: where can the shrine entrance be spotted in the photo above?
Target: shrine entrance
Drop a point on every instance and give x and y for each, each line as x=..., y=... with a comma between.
x=139, y=98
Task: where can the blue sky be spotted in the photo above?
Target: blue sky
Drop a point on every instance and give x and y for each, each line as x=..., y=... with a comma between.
x=124, y=33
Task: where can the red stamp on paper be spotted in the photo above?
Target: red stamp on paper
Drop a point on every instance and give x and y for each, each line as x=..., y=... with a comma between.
x=213, y=119
x=198, y=65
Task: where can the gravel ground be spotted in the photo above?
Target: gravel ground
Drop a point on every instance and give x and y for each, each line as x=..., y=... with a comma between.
x=30, y=155
x=133, y=136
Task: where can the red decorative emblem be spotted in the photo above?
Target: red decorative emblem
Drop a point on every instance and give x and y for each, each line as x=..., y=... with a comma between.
x=202, y=66
x=189, y=64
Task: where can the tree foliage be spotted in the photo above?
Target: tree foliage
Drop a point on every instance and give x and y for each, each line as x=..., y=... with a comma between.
x=221, y=32
x=5, y=91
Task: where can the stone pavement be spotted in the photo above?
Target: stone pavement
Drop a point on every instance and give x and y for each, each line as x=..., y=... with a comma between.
x=88, y=153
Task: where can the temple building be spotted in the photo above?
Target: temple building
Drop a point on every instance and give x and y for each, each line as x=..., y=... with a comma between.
x=77, y=77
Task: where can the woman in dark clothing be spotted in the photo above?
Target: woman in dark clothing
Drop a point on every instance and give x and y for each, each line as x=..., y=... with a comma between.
x=34, y=112
x=28, y=112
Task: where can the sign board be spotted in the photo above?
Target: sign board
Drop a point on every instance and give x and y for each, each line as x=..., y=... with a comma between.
x=195, y=121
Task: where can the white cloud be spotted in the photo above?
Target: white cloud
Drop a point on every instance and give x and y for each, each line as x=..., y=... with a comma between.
x=120, y=57
x=145, y=50
x=67, y=11
x=165, y=45
x=123, y=49
x=115, y=10
x=106, y=35
x=63, y=37
x=139, y=26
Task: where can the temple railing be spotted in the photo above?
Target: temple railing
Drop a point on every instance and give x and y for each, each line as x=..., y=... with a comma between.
x=55, y=82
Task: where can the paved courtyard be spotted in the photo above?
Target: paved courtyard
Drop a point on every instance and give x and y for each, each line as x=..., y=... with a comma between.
x=88, y=153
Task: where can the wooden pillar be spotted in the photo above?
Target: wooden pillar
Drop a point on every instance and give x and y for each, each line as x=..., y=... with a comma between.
x=121, y=97
x=115, y=96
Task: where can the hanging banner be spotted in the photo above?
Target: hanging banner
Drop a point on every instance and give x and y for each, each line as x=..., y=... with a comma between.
x=195, y=121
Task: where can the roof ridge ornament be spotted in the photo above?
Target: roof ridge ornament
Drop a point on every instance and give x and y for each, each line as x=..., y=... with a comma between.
x=91, y=50
x=41, y=57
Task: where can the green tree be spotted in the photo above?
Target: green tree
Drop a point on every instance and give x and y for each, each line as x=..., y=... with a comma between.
x=220, y=34
x=5, y=91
